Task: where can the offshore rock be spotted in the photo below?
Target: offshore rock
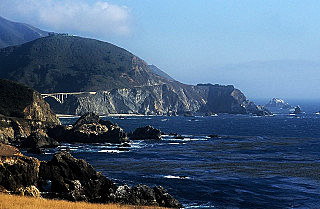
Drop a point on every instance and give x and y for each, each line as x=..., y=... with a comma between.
x=147, y=132
x=89, y=128
x=278, y=103
x=297, y=110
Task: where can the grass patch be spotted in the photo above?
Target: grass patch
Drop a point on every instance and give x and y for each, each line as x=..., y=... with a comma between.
x=22, y=202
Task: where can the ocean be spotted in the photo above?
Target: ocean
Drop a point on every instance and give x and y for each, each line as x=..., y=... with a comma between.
x=256, y=162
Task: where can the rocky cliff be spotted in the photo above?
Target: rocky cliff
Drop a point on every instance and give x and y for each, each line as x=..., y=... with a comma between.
x=165, y=99
x=20, y=101
x=22, y=112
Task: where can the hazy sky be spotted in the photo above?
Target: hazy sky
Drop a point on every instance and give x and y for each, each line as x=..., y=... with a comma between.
x=266, y=48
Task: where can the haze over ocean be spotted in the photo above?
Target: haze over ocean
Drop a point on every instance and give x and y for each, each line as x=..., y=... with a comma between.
x=267, y=48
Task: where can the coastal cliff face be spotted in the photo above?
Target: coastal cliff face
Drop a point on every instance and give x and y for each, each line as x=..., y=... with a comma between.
x=22, y=112
x=166, y=99
x=20, y=101
x=154, y=100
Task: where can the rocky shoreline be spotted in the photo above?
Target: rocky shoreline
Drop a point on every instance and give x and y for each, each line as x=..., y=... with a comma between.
x=65, y=177
x=27, y=121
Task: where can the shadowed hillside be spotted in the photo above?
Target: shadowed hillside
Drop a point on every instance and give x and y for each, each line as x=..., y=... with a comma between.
x=61, y=63
x=13, y=33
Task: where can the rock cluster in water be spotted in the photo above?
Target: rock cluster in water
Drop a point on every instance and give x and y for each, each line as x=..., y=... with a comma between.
x=145, y=133
x=278, y=103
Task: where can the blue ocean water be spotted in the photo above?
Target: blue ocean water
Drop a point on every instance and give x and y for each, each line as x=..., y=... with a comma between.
x=257, y=162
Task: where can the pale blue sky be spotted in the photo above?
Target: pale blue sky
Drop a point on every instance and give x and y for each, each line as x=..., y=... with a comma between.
x=199, y=41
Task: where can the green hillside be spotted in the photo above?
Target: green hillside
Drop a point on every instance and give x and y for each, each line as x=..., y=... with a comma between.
x=61, y=63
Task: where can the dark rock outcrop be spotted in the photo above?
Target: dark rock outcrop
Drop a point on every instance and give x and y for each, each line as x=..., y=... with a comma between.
x=17, y=100
x=18, y=173
x=164, y=199
x=75, y=179
x=89, y=128
x=16, y=130
x=23, y=112
x=65, y=177
x=36, y=140
x=147, y=132
x=144, y=195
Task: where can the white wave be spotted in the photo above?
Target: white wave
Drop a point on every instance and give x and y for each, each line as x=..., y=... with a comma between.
x=110, y=151
x=185, y=139
x=176, y=177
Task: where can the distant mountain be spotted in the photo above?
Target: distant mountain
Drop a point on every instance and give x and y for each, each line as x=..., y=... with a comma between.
x=103, y=78
x=61, y=63
x=14, y=33
x=159, y=72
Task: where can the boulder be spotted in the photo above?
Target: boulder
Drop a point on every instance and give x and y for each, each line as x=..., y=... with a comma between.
x=147, y=132
x=75, y=179
x=123, y=195
x=164, y=199
x=142, y=195
x=37, y=140
x=31, y=191
x=17, y=171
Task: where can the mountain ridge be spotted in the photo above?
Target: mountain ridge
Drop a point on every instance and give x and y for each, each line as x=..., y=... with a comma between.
x=15, y=33
x=121, y=81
